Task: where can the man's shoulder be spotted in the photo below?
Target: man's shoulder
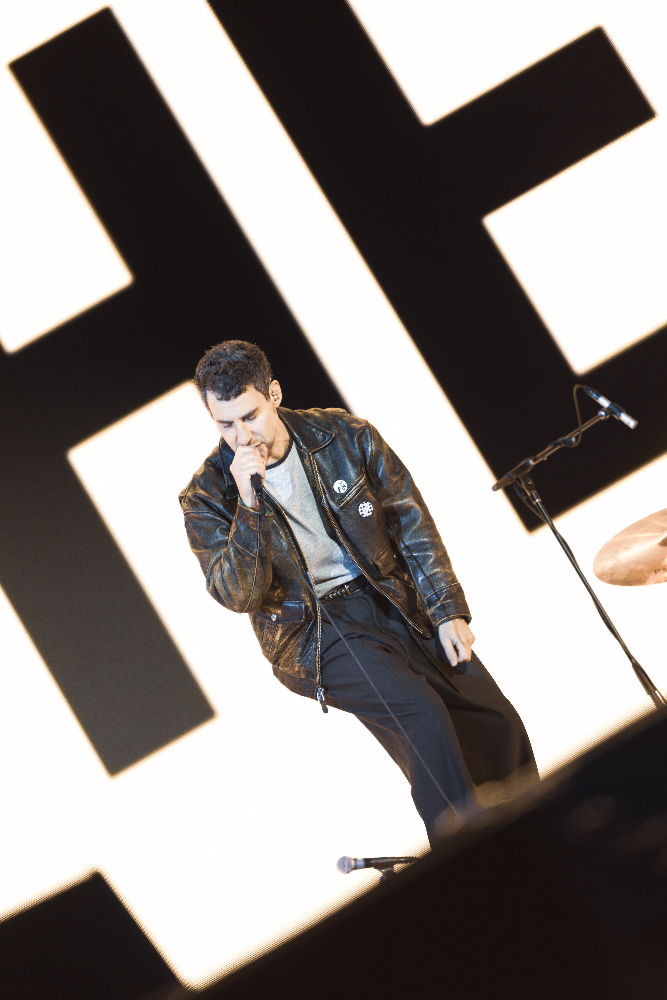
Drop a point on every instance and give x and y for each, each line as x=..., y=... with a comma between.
x=331, y=418
x=321, y=427
x=206, y=483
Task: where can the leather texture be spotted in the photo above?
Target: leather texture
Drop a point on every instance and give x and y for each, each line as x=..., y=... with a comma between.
x=253, y=564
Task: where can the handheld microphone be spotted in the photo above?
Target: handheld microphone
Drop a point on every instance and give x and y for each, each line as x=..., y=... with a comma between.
x=256, y=482
x=347, y=865
x=613, y=408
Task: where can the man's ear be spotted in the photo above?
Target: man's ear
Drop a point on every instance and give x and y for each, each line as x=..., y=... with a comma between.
x=275, y=392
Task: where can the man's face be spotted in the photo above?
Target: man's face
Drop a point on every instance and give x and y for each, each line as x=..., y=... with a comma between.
x=250, y=419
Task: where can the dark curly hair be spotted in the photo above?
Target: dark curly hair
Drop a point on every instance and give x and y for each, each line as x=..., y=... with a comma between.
x=229, y=368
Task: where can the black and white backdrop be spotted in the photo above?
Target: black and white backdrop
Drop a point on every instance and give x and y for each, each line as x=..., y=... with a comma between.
x=440, y=216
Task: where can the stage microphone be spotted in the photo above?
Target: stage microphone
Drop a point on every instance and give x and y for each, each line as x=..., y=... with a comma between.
x=347, y=865
x=256, y=482
x=613, y=408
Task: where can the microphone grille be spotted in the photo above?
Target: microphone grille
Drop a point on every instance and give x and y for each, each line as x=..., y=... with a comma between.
x=345, y=865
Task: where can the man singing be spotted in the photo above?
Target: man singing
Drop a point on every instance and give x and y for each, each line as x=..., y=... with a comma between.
x=340, y=518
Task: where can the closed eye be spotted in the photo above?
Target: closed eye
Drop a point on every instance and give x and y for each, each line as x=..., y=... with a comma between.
x=226, y=424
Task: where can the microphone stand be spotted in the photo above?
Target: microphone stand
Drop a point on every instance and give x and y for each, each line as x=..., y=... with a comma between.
x=520, y=478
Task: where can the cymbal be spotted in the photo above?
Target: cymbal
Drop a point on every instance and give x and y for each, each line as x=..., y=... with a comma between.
x=637, y=555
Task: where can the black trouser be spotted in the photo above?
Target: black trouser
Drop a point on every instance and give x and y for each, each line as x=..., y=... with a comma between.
x=464, y=737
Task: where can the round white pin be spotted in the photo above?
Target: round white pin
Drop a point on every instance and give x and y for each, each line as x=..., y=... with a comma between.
x=366, y=508
x=340, y=486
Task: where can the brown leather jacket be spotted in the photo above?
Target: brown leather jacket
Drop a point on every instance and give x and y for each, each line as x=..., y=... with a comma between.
x=395, y=542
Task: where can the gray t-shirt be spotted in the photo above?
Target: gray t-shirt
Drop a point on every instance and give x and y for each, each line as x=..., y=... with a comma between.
x=328, y=562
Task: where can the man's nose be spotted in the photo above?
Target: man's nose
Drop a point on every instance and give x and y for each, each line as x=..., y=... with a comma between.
x=243, y=434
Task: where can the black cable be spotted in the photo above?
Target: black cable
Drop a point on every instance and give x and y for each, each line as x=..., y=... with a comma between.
x=571, y=442
x=312, y=591
x=520, y=492
x=526, y=497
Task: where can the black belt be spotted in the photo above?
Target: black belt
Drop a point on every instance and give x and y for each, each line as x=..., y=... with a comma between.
x=353, y=587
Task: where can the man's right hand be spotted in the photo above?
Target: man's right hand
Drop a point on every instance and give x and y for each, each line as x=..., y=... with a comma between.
x=248, y=460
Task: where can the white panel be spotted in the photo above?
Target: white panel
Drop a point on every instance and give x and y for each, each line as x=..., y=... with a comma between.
x=589, y=246
x=229, y=836
x=444, y=53
x=56, y=259
x=374, y=361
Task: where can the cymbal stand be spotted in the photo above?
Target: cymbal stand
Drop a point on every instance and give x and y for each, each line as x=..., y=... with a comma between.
x=522, y=481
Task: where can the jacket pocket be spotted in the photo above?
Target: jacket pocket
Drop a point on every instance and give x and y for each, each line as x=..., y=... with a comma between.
x=386, y=559
x=353, y=491
x=272, y=626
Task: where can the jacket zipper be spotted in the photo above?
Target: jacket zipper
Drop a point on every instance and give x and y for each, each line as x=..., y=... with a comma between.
x=320, y=694
x=325, y=504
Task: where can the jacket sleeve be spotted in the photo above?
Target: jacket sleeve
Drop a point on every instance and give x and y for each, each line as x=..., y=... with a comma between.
x=234, y=552
x=415, y=533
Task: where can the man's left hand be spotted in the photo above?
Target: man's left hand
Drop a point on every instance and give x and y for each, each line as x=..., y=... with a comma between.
x=457, y=639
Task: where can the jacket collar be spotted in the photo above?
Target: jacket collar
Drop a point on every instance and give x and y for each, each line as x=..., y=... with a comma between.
x=308, y=436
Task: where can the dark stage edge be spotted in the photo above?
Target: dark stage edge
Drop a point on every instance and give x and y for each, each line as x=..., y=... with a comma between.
x=561, y=895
